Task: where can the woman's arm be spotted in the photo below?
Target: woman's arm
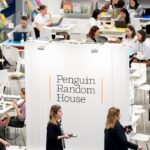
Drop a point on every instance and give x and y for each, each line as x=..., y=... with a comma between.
x=121, y=135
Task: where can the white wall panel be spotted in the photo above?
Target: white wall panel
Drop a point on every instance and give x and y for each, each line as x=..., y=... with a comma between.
x=75, y=60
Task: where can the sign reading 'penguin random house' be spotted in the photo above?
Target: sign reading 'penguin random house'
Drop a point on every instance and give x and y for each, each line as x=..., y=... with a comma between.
x=75, y=89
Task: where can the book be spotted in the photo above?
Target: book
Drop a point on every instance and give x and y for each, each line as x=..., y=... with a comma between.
x=3, y=19
x=68, y=8
x=5, y=4
x=38, y=2
x=77, y=8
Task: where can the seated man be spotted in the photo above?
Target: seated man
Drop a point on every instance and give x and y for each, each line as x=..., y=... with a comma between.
x=24, y=26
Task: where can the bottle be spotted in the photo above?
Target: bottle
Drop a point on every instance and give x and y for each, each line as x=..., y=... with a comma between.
x=22, y=38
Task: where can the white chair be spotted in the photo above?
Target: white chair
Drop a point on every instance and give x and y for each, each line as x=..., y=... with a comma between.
x=12, y=55
x=142, y=138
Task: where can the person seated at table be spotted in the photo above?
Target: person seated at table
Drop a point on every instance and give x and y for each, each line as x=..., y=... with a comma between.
x=124, y=16
x=95, y=19
x=94, y=35
x=141, y=48
x=18, y=120
x=115, y=137
x=3, y=144
x=42, y=19
x=129, y=38
x=24, y=26
x=135, y=7
x=114, y=3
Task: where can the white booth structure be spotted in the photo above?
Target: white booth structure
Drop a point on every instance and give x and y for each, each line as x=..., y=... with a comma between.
x=85, y=79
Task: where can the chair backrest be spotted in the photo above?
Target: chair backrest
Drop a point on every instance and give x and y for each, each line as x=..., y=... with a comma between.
x=11, y=54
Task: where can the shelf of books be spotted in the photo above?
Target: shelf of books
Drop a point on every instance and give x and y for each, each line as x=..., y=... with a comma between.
x=3, y=20
x=77, y=9
x=31, y=7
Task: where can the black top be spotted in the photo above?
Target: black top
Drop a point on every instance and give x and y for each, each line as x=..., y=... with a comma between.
x=120, y=4
x=115, y=139
x=53, y=131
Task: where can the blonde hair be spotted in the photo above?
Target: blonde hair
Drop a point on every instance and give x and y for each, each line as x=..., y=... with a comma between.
x=112, y=115
x=53, y=112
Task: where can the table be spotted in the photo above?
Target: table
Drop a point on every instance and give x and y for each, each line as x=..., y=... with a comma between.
x=47, y=31
x=110, y=31
x=15, y=44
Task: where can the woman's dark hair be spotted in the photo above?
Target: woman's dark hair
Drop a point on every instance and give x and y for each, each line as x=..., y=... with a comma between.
x=120, y=4
x=136, y=4
x=96, y=12
x=131, y=28
x=23, y=91
x=42, y=7
x=143, y=34
x=92, y=31
x=127, y=19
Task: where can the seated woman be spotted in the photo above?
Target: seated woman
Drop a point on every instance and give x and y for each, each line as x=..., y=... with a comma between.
x=114, y=3
x=135, y=7
x=129, y=38
x=18, y=121
x=124, y=16
x=42, y=19
x=115, y=138
x=95, y=19
x=94, y=35
x=142, y=48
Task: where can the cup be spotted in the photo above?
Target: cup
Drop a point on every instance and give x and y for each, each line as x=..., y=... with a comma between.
x=53, y=36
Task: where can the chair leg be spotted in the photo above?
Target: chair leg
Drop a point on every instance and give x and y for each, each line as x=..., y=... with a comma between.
x=147, y=146
x=23, y=137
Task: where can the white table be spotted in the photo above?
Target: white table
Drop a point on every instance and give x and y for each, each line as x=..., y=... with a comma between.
x=47, y=31
x=112, y=31
x=16, y=148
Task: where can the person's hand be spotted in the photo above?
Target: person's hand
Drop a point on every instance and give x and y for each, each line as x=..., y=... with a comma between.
x=66, y=136
x=140, y=147
x=6, y=143
x=14, y=101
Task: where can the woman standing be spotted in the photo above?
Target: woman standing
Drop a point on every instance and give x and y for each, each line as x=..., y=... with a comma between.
x=115, y=138
x=55, y=136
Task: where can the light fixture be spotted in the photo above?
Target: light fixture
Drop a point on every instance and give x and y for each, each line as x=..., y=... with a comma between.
x=95, y=50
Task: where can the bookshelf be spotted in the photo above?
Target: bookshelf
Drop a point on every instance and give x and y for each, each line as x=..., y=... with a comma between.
x=31, y=6
x=77, y=8
x=7, y=9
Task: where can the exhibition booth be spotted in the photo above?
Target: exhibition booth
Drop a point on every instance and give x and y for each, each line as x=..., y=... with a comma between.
x=85, y=79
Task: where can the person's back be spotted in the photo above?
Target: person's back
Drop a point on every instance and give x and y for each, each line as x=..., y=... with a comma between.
x=109, y=142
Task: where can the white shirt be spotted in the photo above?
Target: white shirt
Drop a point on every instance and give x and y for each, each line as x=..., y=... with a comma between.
x=143, y=50
x=94, y=22
x=41, y=19
x=130, y=43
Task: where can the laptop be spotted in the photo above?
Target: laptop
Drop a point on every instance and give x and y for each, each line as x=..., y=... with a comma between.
x=57, y=23
x=120, y=24
x=17, y=36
